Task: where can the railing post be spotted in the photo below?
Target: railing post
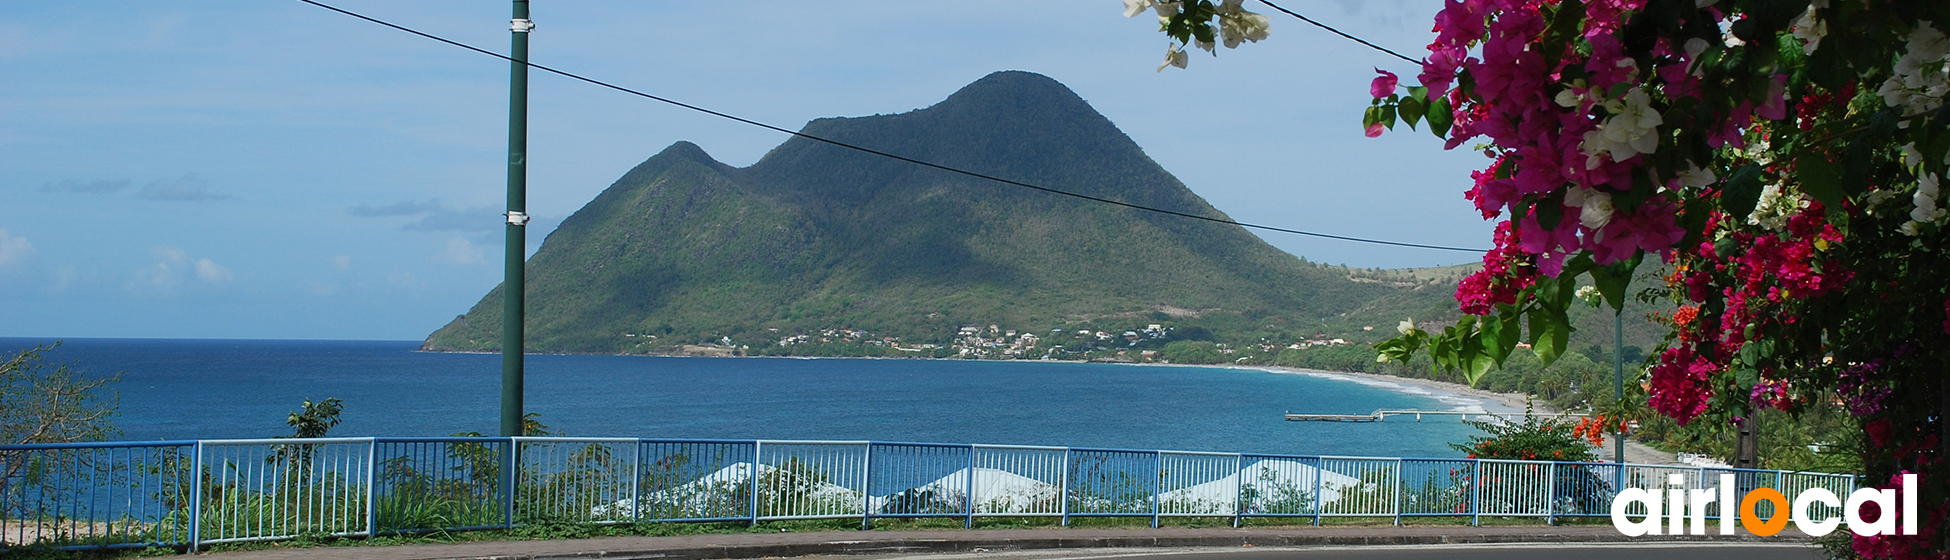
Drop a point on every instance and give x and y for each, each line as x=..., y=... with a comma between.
x=372, y=506
x=509, y=479
x=1063, y=496
x=1476, y=492
x=636, y=484
x=1238, y=490
x=1320, y=500
x=968, y=493
x=757, y=449
x=196, y=495
x=1399, y=482
x=1550, y=495
x=1157, y=483
x=866, y=491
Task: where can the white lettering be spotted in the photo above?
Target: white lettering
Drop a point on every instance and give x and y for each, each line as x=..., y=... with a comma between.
x=1696, y=502
x=1646, y=498
x=1803, y=519
x=1885, y=501
x=1676, y=504
x=1909, y=504
x=1729, y=509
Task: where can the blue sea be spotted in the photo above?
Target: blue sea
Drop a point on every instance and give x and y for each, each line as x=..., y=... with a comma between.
x=191, y=389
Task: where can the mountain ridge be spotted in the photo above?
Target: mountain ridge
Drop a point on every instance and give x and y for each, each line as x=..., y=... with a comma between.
x=683, y=250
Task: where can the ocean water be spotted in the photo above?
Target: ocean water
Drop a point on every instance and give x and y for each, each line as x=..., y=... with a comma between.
x=189, y=389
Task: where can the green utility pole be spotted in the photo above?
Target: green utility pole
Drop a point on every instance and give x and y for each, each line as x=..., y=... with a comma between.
x=513, y=286
x=1618, y=376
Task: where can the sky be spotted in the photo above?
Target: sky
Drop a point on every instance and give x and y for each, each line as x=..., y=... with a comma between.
x=270, y=169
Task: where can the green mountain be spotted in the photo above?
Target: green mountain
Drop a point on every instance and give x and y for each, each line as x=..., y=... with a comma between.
x=814, y=239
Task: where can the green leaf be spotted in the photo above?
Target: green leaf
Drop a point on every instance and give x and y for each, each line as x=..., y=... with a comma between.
x=1742, y=191
x=1550, y=332
x=1492, y=340
x=1821, y=179
x=1370, y=116
x=1613, y=280
x=1441, y=116
x=1412, y=111
x=1509, y=333
x=1388, y=116
x=1549, y=213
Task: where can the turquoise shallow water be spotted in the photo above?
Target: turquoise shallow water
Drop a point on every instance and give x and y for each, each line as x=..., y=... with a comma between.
x=185, y=389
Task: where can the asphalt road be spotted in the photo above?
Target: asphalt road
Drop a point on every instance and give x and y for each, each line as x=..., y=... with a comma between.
x=1621, y=551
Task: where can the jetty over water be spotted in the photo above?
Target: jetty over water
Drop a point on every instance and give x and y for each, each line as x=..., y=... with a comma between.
x=1383, y=414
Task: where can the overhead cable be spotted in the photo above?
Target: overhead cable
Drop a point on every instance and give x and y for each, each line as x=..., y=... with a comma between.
x=898, y=157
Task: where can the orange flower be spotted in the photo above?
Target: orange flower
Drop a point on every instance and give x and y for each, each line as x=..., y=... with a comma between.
x=1685, y=315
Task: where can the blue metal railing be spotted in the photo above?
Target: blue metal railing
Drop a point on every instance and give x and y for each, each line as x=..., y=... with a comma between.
x=193, y=493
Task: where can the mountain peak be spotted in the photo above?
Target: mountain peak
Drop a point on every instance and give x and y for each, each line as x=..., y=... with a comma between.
x=1015, y=91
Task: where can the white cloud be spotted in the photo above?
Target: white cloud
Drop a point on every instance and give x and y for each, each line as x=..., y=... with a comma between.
x=159, y=278
x=13, y=249
x=172, y=267
x=100, y=186
x=170, y=255
x=212, y=272
x=342, y=262
x=64, y=277
x=405, y=279
x=462, y=251
x=188, y=188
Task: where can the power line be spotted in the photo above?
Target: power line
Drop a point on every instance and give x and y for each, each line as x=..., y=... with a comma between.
x=1343, y=34
x=898, y=157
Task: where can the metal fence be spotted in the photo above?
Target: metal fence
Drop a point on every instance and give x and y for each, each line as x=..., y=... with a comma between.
x=193, y=493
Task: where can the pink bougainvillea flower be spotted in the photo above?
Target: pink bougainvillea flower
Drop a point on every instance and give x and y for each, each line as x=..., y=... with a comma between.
x=1383, y=85
x=1946, y=316
x=1375, y=130
x=1773, y=107
x=1679, y=386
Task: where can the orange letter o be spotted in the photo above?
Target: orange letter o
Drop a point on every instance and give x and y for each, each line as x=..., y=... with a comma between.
x=1752, y=521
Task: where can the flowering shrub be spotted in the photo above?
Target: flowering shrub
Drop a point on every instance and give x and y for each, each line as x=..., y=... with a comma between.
x=1782, y=157
x=1534, y=439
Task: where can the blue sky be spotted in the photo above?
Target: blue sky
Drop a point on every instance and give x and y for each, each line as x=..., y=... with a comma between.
x=268, y=169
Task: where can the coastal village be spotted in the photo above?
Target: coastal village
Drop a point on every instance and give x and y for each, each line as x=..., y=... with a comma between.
x=1143, y=343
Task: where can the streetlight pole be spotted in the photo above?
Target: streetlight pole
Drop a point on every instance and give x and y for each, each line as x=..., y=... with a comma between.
x=1618, y=377
x=513, y=286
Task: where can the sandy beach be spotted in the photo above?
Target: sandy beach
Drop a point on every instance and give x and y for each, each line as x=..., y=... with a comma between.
x=1456, y=396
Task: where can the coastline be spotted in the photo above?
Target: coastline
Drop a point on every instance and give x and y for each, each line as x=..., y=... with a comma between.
x=1458, y=396
x=1455, y=396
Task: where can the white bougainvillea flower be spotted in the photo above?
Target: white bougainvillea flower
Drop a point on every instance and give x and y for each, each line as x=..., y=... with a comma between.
x=1406, y=326
x=1810, y=28
x=1173, y=57
x=1726, y=34
x=1911, y=156
x=1134, y=7
x=1925, y=199
x=1920, y=79
x=1695, y=177
x=1632, y=130
x=1590, y=295
x=1594, y=207
x=1775, y=207
x=1236, y=25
